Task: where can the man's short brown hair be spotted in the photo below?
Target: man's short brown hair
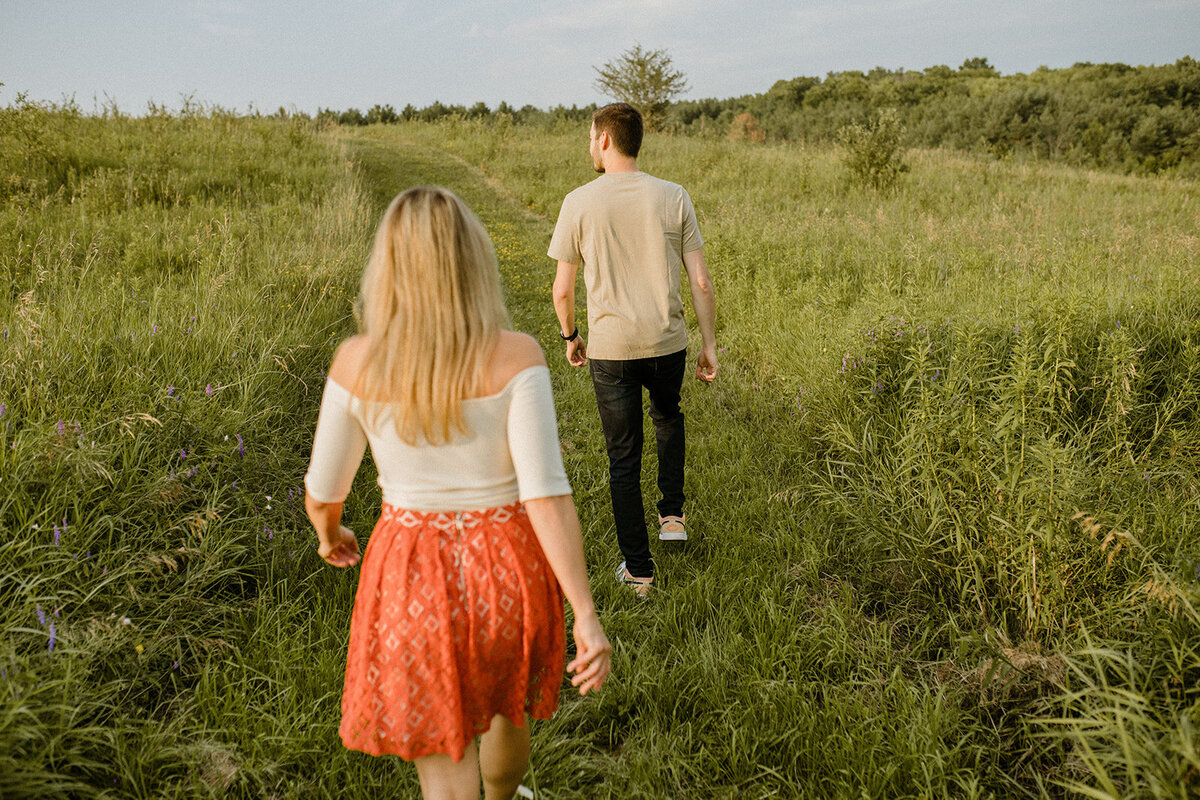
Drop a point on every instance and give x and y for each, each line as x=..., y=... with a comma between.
x=623, y=123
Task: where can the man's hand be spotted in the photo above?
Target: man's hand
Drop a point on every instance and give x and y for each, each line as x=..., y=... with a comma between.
x=576, y=352
x=706, y=365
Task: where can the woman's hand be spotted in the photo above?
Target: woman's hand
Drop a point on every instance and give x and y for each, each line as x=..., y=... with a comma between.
x=592, y=654
x=343, y=552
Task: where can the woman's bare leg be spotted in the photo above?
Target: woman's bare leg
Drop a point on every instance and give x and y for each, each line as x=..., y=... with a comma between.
x=444, y=779
x=503, y=758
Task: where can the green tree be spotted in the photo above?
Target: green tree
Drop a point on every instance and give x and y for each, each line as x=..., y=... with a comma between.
x=977, y=64
x=382, y=114
x=646, y=79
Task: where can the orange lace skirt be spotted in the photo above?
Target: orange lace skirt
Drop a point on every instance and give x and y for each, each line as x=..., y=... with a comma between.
x=457, y=618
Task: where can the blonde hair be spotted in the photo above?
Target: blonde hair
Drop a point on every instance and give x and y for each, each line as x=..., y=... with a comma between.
x=431, y=308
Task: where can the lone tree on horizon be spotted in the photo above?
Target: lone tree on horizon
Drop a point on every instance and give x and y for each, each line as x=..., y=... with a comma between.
x=646, y=79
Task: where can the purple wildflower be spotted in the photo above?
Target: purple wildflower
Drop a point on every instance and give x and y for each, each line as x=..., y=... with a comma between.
x=208, y=390
x=78, y=430
x=183, y=455
x=57, y=533
x=3, y=409
x=241, y=446
x=62, y=428
x=41, y=615
x=154, y=330
x=50, y=648
x=174, y=665
x=170, y=390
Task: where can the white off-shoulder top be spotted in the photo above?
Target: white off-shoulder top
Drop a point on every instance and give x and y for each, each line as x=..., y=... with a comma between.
x=510, y=452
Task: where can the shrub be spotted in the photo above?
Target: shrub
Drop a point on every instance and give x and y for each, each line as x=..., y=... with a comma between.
x=874, y=153
x=744, y=128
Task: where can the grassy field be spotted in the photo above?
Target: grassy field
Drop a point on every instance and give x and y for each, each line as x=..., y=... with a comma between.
x=944, y=486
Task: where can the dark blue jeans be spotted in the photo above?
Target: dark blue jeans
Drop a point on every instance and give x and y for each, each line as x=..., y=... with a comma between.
x=618, y=386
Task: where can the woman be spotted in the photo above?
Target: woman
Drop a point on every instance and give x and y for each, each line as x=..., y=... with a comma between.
x=457, y=630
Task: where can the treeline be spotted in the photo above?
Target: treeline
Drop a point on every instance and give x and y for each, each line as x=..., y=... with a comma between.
x=386, y=114
x=1131, y=119
x=1136, y=119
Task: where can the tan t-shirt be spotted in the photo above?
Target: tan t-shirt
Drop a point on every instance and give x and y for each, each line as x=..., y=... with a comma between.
x=629, y=230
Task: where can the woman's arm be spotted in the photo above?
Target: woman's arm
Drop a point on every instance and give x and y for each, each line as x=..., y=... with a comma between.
x=545, y=491
x=557, y=527
x=338, y=448
x=337, y=543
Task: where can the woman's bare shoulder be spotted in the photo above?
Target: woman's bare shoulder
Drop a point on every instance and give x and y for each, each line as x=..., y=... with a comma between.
x=514, y=352
x=348, y=360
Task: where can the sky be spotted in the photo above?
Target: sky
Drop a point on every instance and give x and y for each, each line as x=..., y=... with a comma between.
x=308, y=54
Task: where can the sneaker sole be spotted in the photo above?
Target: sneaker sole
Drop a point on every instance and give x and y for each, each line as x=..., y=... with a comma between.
x=672, y=537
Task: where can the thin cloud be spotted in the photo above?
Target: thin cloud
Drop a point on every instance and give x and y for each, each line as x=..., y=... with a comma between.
x=220, y=19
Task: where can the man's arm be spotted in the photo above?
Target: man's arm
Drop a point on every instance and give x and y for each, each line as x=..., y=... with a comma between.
x=704, y=300
x=564, y=307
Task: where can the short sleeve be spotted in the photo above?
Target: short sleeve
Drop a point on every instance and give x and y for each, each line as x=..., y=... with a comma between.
x=691, y=230
x=533, y=437
x=564, y=244
x=338, y=447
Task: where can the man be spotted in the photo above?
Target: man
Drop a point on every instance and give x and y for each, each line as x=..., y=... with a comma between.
x=632, y=233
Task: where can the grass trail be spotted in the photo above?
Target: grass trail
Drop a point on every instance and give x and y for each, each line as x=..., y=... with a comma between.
x=754, y=670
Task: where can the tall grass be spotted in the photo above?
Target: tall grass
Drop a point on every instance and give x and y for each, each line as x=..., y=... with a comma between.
x=943, y=491
x=172, y=285
x=985, y=382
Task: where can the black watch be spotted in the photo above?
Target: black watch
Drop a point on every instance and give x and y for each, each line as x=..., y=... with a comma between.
x=574, y=335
